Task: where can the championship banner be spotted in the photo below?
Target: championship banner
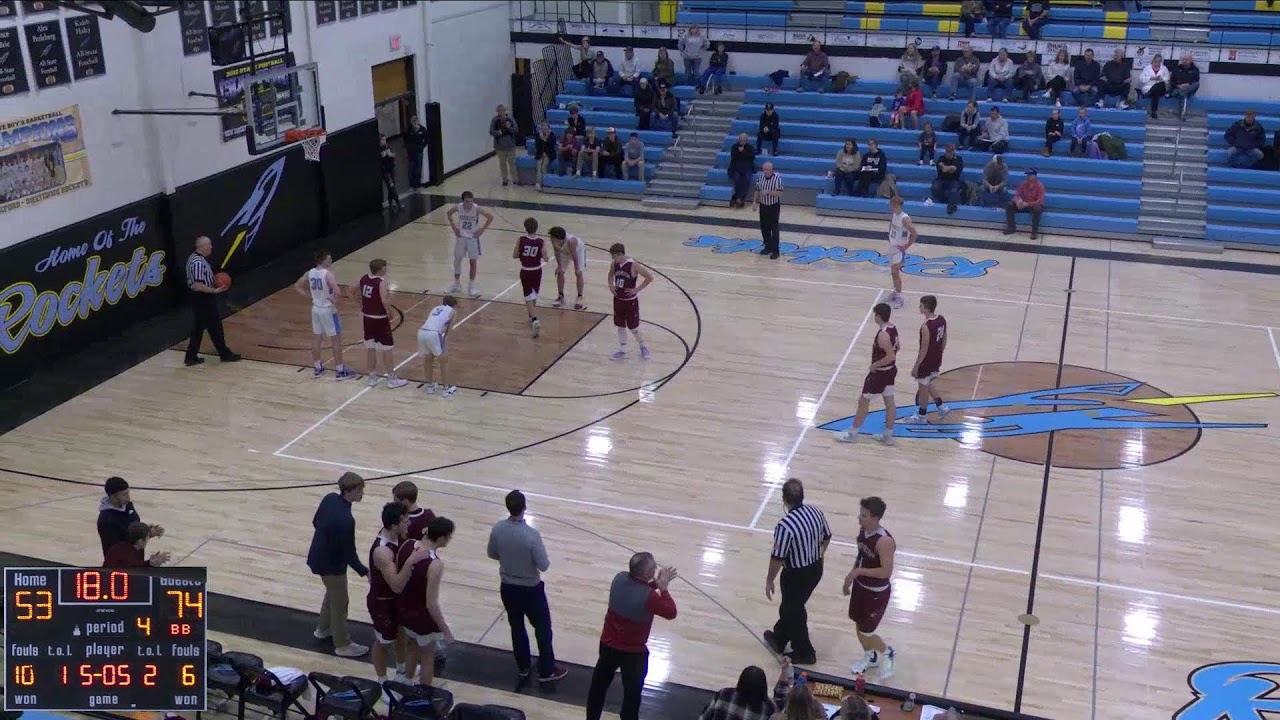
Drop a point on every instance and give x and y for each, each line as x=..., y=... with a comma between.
x=42, y=156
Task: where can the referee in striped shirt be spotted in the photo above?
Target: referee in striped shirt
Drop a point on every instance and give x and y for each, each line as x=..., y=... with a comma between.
x=204, y=305
x=799, y=542
x=769, y=198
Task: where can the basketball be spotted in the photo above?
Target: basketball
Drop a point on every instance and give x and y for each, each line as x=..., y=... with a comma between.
x=222, y=280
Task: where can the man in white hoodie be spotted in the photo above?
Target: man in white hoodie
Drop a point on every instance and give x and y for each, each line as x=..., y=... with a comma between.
x=1000, y=76
x=628, y=73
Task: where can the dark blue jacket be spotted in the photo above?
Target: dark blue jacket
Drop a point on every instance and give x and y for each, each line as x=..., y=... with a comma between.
x=1088, y=73
x=333, y=545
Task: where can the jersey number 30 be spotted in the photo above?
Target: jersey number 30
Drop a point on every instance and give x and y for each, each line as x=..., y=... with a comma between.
x=532, y=251
x=317, y=284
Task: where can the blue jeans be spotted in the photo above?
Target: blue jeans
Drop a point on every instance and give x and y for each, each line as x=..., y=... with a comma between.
x=994, y=199
x=522, y=602
x=994, y=85
x=1085, y=97
x=947, y=191
x=969, y=82
x=711, y=76
x=1177, y=92
x=691, y=68
x=808, y=81
x=672, y=121
x=932, y=81
x=998, y=26
x=1238, y=158
x=741, y=180
x=846, y=181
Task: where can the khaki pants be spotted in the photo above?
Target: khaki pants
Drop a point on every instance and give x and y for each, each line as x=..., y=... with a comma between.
x=638, y=165
x=595, y=162
x=333, y=610
x=540, y=169
x=507, y=165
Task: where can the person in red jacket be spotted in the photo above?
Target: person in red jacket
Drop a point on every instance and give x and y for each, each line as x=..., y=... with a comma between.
x=129, y=553
x=1028, y=198
x=913, y=108
x=635, y=597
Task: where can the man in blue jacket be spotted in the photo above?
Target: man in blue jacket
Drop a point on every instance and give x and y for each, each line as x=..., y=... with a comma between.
x=1246, y=138
x=333, y=550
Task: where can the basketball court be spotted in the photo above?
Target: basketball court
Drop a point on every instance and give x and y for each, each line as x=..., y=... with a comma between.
x=1113, y=416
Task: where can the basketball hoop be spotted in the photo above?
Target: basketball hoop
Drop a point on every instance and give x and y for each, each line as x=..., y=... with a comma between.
x=312, y=140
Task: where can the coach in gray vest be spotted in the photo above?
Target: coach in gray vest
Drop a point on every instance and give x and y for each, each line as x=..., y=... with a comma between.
x=204, y=294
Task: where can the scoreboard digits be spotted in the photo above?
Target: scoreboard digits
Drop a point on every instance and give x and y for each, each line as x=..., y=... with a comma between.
x=97, y=639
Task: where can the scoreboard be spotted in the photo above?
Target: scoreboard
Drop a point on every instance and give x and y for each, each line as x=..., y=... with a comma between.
x=84, y=639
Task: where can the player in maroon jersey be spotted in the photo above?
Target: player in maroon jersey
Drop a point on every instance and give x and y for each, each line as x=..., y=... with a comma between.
x=933, y=341
x=406, y=493
x=531, y=253
x=419, y=602
x=868, y=587
x=623, y=272
x=386, y=581
x=375, y=300
x=880, y=377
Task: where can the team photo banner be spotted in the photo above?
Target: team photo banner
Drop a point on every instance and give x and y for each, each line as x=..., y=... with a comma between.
x=42, y=156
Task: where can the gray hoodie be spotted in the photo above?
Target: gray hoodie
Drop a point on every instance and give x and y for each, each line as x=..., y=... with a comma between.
x=692, y=46
x=996, y=128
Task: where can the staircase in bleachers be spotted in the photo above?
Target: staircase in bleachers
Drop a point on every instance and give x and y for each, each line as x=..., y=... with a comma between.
x=1174, y=182
x=678, y=182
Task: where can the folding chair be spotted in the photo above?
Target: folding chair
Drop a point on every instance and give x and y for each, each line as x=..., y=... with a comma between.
x=262, y=688
x=414, y=702
x=349, y=698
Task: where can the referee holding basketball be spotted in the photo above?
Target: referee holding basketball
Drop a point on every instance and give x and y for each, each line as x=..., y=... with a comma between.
x=204, y=305
x=769, y=198
x=799, y=542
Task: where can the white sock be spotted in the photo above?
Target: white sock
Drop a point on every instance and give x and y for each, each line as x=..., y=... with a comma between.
x=400, y=668
x=319, y=365
x=382, y=677
x=639, y=338
x=622, y=338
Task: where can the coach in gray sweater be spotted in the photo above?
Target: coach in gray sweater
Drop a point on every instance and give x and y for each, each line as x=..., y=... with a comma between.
x=522, y=558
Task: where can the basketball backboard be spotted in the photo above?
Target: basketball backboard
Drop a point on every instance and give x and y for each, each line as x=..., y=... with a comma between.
x=279, y=100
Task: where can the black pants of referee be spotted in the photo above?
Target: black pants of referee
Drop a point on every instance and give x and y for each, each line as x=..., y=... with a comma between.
x=769, y=216
x=205, y=318
x=796, y=585
x=634, y=667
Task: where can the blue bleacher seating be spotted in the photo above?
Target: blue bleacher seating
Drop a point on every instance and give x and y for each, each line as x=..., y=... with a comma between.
x=1052, y=218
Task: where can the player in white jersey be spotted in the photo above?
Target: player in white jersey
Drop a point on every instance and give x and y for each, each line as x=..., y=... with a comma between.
x=902, y=235
x=431, y=345
x=319, y=284
x=570, y=250
x=465, y=219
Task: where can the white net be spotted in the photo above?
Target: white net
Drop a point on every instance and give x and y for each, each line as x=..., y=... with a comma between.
x=311, y=147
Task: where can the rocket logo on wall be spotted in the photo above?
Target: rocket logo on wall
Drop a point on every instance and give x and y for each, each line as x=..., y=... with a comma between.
x=248, y=220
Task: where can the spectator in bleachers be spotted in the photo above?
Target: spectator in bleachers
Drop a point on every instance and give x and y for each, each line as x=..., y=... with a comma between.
x=769, y=130
x=1053, y=131
x=995, y=182
x=544, y=151
x=644, y=103
x=999, y=17
x=913, y=108
x=995, y=133
x=567, y=154
x=1000, y=76
x=1081, y=131
x=1028, y=198
x=935, y=68
x=601, y=71
x=664, y=70
x=1034, y=15
x=848, y=164
x=927, y=141
x=717, y=66
x=967, y=135
x=742, y=164
x=948, y=186
x=628, y=72
x=590, y=150
x=633, y=157
x=611, y=153
x=877, y=109
x=874, y=166
x=1057, y=76
x=896, y=109
x=964, y=71
x=1246, y=138
x=1087, y=76
x=582, y=69
x=1027, y=78
x=750, y=700
x=814, y=69
x=1115, y=81
x=1154, y=83
x=666, y=109
x=1184, y=82
x=576, y=123
x=692, y=45
x=972, y=12
x=909, y=68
